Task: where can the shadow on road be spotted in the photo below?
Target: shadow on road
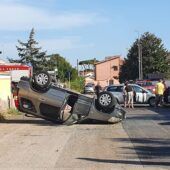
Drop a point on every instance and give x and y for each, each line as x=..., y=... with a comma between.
x=164, y=123
x=150, y=152
x=43, y=122
x=30, y=121
x=148, y=148
x=130, y=162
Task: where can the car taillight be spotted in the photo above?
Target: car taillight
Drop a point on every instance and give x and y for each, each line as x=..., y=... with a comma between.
x=16, y=101
x=15, y=96
x=26, y=105
x=153, y=91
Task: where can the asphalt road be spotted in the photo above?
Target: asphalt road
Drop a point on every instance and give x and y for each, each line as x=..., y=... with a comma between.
x=140, y=142
x=149, y=131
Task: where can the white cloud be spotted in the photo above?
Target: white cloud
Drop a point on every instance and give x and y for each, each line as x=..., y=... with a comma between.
x=63, y=44
x=52, y=46
x=22, y=17
x=59, y=44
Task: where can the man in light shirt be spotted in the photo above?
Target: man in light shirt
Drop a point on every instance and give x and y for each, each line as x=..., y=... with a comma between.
x=159, y=91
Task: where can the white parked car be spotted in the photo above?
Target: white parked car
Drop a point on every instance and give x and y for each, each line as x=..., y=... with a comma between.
x=142, y=95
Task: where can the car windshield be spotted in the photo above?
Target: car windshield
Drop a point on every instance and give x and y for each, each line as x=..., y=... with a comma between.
x=115, y=88
x=89, y=85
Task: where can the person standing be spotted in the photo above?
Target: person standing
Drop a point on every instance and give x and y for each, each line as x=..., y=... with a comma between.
x=164, y=85
x=159, y=91
x=164, y=94
x=98, y=88
x=130, y=95
x=125, y=95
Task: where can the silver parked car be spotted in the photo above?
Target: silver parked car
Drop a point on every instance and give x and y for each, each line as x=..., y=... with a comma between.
x=89, y=88
x=38, y=96
x=142, y=96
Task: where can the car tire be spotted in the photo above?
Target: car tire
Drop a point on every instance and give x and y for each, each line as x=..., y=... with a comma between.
x=106, y=100
x=152, y=102
x=41, y=80
x=117, y=100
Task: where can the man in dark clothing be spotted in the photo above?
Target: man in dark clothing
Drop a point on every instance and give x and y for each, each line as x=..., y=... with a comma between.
x=98, y=89
x=130, y=94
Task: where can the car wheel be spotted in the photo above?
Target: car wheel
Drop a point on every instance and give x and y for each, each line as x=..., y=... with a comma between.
x=42, y=79
x=106, y=100
x=152, y=102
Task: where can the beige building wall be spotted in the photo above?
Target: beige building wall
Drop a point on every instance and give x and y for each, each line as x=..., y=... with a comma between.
x=5, y=91
x=107, y=71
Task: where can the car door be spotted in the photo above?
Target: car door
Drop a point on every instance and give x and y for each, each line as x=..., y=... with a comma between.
x=140, y=94
x=117, y=91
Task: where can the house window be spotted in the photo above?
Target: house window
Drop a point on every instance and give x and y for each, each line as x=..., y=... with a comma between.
x=111, y=82
x=115, y=68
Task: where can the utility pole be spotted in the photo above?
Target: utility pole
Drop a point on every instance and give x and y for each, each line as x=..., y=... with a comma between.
x=0, y=53
x=78, y=67
x=141, y=67
x=69, y=79
x=140, y=59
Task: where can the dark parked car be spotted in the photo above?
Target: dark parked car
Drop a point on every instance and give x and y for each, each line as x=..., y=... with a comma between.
x=40, y=97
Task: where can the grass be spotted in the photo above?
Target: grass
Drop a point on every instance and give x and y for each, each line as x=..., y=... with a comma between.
x=2, y=116
x=8, y=113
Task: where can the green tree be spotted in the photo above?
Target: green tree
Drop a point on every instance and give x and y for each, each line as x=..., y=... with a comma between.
x=30, y=54
x=88, y=65
x=64, y=68
x=154, y=58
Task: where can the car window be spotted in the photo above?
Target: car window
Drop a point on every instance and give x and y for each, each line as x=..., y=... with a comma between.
x=137, y=89
x=115, y=88
x=90, y=85
x=144, y=83
x=148, y=84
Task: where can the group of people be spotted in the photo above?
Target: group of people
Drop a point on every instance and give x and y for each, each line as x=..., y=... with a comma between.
x=129, y=94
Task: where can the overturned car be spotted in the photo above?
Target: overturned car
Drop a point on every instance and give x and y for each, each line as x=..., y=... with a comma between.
x=40, y=97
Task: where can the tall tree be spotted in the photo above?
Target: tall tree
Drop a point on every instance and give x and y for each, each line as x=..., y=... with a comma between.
x=29, y=53
x=154, y=58
x=88, y=65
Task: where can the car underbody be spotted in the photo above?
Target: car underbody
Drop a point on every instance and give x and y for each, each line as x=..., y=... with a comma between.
x=65, y=106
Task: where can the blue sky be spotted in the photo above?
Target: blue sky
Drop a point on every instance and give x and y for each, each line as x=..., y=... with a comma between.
x=82, y=29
